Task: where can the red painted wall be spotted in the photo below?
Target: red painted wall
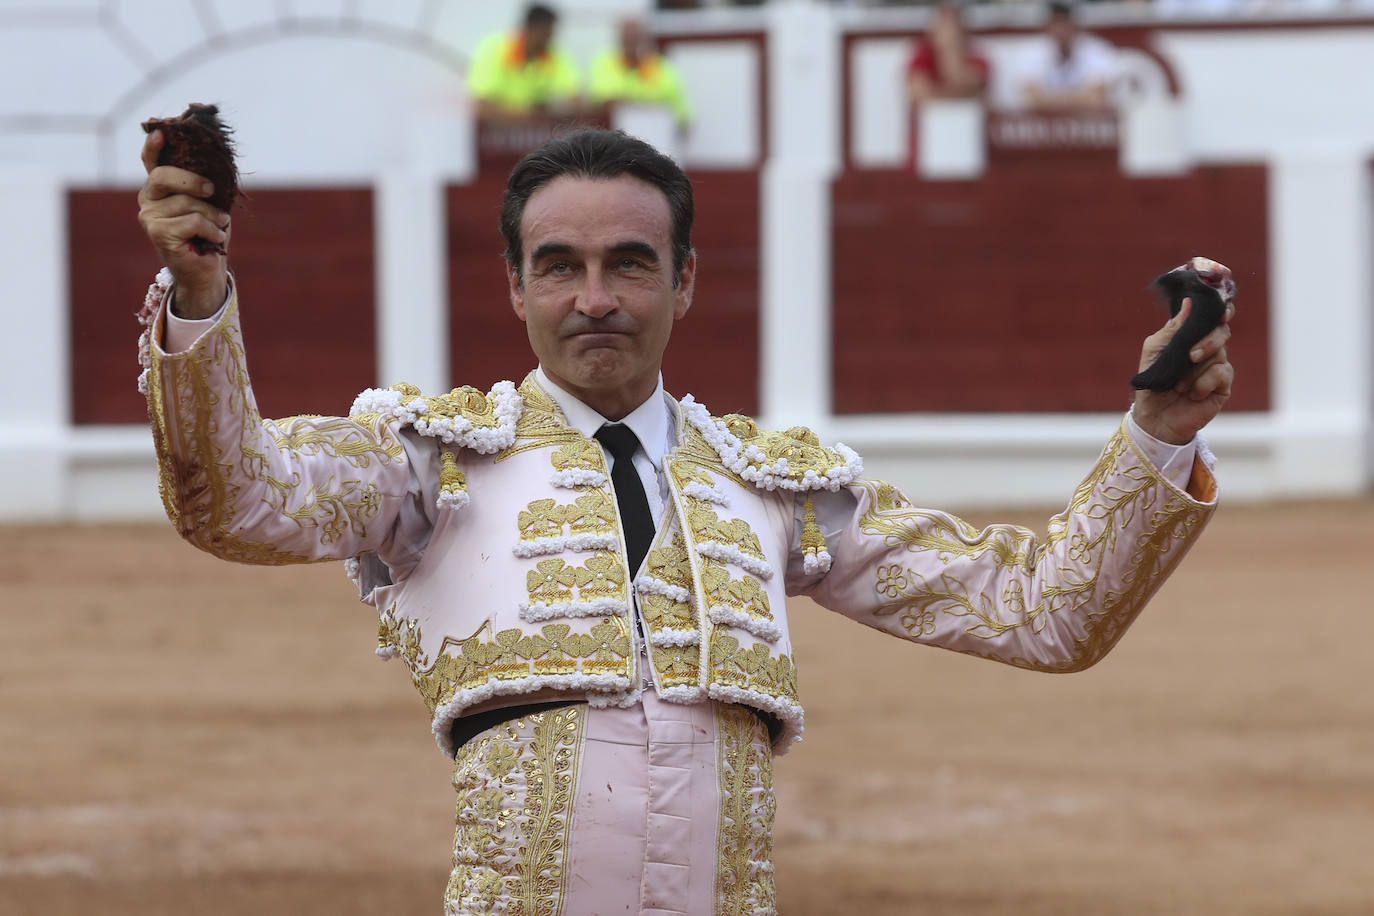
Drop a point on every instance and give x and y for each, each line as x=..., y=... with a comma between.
x=714, y=350
x=303, y=261
x=1027, y=289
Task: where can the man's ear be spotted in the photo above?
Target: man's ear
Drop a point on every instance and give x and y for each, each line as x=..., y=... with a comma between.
x=517, y=292
x=686, y=283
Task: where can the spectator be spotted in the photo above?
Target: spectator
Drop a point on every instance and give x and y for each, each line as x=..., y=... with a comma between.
x=945, y=65
x=1068, y=69
x=518, y=73
x=636, y=72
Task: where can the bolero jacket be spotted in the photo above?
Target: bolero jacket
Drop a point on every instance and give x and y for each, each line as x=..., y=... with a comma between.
x=517, y=590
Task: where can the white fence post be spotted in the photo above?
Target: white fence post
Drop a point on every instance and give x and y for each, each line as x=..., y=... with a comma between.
x=794, y=231
x=35, y=413
x=1320, y=243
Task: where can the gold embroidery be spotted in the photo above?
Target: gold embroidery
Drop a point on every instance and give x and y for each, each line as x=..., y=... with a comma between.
x=1110, y=498
x=555, y=648
x=886, y=496
x=661, y=612
x=452, y=481
x=602, y=576
x=541, y=519
x=670, y=562
x=541, y=423
x=754, y=668
x=737, y=531
x=745, y=594
x=591, y=513
x=686, y=473
x=336, y=437
x=197, y=483
x=578, y=454
x=705, y=525
x=798, y=445
x=332, y=511
x=553, y=580
x=812, y=540
x=516, y=787
x=744, y=839
x=678, y=666
x=703, y=521
x=472, y=404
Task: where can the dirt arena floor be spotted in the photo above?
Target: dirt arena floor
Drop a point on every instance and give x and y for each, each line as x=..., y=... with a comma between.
x=180, y=735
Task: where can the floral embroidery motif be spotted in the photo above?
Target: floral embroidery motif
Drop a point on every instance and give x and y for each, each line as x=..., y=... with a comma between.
x=669, y=615
x=579, y=453
x=516, y=786
x=551, y=580
x=738, y=602
x=602, y=576
x=542, y=518
x=754, y=668
x=744, y=844
x=599, y=583
x=591, y=513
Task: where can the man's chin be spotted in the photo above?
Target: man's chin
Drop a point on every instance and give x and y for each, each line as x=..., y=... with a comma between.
x=598, y=368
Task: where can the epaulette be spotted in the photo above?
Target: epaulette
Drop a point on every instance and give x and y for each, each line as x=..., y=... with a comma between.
x=483, y=422
x=792, y=459
x=465, y=417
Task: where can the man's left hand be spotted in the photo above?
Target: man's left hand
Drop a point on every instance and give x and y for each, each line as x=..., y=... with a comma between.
x=1176, y=415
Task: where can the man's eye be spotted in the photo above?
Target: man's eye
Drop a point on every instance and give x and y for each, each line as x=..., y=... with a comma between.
x=560, y=267
x=629, y=264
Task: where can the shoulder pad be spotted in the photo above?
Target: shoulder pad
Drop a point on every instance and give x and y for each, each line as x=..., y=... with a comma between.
x=465, y=416
x=792, y=459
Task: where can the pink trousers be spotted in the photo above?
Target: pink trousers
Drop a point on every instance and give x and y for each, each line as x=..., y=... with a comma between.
x=658, y=809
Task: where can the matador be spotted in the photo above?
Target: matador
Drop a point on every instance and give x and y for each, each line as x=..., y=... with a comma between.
x=587, y=578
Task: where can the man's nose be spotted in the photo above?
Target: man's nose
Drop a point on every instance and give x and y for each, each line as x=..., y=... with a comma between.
x=596, y=299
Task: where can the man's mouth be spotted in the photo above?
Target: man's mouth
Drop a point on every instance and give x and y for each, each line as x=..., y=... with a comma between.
x=598, y=338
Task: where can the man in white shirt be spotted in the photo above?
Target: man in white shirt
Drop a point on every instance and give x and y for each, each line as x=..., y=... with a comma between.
x=1066, y=69
x=587, y=578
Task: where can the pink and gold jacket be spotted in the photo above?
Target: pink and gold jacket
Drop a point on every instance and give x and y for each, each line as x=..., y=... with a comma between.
x=512, y=586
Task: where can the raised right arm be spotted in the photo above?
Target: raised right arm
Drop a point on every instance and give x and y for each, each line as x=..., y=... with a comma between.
x=234, y=484
x=264, y=491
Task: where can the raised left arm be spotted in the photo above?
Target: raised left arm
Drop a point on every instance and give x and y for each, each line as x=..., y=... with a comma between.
x=1057, y=603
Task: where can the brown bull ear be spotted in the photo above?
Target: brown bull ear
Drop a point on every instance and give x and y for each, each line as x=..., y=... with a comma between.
x=200, y=142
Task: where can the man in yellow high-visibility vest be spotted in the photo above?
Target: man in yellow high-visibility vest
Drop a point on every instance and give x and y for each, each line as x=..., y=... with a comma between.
x=522, y=72
x=635, y=72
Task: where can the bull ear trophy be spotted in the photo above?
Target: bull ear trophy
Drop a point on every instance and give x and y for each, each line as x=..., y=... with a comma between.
x=1211, y=287
x=200, y=142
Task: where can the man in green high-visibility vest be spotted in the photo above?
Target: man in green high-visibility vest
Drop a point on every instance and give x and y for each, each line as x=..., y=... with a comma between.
x=523, y=72
x=634, y=71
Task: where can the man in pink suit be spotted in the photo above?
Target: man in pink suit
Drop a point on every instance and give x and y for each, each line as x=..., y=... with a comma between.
x=587, y=578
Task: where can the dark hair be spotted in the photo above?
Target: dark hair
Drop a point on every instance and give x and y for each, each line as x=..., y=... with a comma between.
x=598, y=154
x=539, y=14
x=1061, y=9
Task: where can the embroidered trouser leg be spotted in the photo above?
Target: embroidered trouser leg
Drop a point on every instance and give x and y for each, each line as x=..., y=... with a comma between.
x=658, y=809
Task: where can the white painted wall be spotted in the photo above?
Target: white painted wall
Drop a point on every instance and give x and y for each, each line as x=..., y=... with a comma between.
x=375, y=87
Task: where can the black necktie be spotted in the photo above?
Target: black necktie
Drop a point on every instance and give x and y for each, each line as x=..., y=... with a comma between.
x=621, y=442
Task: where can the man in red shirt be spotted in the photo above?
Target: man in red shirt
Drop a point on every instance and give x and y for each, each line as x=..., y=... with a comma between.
x=944, y=64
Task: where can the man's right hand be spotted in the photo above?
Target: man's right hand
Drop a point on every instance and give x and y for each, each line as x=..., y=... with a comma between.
x=172, y=211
